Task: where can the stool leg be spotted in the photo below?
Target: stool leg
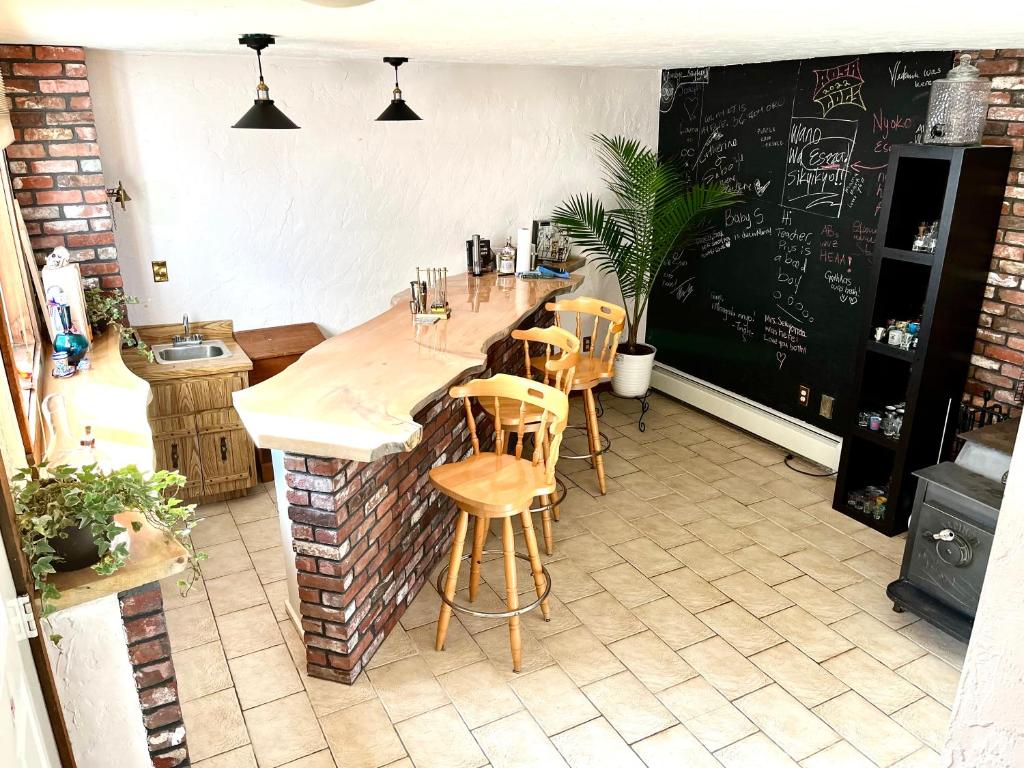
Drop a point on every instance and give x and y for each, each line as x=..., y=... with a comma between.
x=595, y=433
x=555, y=511
x=453, y=576
x=508, y=546
x=535, y=566
x=545, y=516
x=481, y=526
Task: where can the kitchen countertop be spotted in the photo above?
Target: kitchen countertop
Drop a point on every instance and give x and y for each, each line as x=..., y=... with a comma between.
x=354, y=395
x=162, y=334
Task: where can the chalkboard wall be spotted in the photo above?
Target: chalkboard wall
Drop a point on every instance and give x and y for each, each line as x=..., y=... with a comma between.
x=769, y=298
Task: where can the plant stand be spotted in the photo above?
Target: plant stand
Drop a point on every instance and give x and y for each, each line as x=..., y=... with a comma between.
x=645, y=406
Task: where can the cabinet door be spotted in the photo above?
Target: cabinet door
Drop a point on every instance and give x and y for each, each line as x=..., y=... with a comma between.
x=228, y=457
x=180, y=453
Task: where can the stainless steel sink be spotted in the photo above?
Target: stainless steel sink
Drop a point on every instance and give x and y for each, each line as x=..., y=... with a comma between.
x=168, y=354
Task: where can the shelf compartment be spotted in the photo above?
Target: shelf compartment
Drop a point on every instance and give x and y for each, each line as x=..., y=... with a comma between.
x=881, y=348
x=911, y=257
x=877, y=437
x=918, y=194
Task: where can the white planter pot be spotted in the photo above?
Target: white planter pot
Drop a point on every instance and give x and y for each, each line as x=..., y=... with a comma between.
x=632, y=376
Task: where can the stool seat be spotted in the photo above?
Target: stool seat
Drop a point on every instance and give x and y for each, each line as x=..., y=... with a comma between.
x=590, y=371
x=508, y=411
x=496, y=484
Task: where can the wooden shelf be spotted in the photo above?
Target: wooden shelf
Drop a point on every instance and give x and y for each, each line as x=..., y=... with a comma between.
x=877, y=437
x=890, y=351
x=913, y=257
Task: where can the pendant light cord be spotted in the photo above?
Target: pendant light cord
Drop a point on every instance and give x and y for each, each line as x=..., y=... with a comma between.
x=259, y=63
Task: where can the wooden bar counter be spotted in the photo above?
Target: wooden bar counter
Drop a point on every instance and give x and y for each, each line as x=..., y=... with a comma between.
x=360, y=419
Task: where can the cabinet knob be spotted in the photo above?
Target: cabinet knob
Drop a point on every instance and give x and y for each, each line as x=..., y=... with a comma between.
x=174, y=455
x=223, y=449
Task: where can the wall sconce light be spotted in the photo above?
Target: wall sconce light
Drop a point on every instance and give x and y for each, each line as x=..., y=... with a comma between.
x=119, y=195
x=397, y=109
x=263, y=113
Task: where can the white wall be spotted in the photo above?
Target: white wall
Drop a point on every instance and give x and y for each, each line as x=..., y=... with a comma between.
x=328, y=222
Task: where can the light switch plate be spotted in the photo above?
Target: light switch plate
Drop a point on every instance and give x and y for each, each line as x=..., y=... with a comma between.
x=827, y=404
x=160, y=271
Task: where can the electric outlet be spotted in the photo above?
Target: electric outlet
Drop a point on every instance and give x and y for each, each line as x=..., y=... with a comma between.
x=805, y=394
x=586, y=344
x=827, y=404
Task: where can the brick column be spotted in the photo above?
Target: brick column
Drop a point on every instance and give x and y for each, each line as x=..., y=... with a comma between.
x=149, y=651
x=368, y=535
x=54, y=161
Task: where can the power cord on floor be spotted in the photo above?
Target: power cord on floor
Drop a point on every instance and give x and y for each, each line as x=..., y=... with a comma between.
x=802, y=472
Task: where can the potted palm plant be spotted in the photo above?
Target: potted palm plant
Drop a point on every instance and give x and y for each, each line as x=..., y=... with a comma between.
x=657, y=213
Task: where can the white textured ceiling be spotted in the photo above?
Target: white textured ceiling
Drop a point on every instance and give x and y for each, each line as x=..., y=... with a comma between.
x=641, y=33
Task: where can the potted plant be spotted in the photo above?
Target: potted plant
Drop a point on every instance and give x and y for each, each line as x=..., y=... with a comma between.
x=657, y=213
x=106, y=308
x=66, y=519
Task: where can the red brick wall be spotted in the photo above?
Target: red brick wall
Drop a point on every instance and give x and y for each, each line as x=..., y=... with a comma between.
x=368, y=535
x=55, y=159
x=149, y=651
x=999, y=349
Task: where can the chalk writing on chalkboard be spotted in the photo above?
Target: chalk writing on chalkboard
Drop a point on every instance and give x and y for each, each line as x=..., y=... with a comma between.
x=817, y=162
x=683, y=83
x=743, y=322
x=838, y=86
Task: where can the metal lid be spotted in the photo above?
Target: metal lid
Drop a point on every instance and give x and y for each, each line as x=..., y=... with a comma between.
x=964, y=70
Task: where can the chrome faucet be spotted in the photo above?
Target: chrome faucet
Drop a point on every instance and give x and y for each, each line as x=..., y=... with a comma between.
x=184, y=324
x=187, y=339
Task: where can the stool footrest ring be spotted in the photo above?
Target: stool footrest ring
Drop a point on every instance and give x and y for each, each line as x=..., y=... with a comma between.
x=492, y=614
x=604, y=441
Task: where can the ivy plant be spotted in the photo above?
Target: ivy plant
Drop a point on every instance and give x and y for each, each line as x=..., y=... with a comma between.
x=50, y=501
x=103, y=308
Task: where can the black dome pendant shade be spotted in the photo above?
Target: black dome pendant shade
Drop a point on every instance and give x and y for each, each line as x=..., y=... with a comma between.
x=397, y=109
x=263, y=113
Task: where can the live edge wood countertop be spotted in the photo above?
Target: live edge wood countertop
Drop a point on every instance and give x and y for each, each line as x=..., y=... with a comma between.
x=354, y=395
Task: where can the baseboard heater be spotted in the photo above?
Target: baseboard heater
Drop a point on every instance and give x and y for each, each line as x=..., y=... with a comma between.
x=800, y=438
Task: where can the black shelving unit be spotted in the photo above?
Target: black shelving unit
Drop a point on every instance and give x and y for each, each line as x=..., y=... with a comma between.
x=963, y=188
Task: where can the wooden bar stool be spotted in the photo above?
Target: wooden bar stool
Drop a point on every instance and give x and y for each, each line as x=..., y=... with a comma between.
x=495, y=484
x=595, y=366
x=556, y=367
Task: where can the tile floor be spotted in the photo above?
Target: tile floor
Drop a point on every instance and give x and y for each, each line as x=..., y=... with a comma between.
x=710, y=610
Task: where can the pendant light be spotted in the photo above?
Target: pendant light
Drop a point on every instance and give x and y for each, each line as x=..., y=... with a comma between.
x=397, y=109
x=263, y=113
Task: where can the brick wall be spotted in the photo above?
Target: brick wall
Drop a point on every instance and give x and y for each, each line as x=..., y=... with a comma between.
x=368, y=535
x=55, y=159
x=999, y=348
x=149, y=651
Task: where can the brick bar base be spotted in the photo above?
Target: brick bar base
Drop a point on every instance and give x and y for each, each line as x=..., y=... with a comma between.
x=149, y=651
x=367, y=535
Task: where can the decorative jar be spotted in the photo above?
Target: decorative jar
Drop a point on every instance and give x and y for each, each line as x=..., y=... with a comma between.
x=958, y=106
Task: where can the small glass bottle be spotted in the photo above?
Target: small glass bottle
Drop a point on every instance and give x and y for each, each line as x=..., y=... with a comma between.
x=889, y=421
x=922, y=230
x=900, y=412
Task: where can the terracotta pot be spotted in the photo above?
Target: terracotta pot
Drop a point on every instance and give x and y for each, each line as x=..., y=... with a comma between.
x=632, y=376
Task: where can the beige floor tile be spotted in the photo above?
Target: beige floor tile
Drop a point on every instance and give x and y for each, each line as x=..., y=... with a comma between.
x=719, y=535
x=277, y=596
x=399, y=644
x=616, y=466
x=870, y=597
x=632, y=710
x=756, y=749
x=439, y=739
x=706, y=562
x=588, y=553
x=214, y=725
x=720, y=727
x=811, y=636
x=480, y=694
x=212, y=509
x=583, y=657
x=823, y=511
x=832, y=542
x=269, y=564
x=933, y=676
x=786, y=721
x=190, y=626
x=328, y=696
x=876, y=567
x=679, y=509
x=643, y=485
x=587, y=482
x=692, y=487
x=606, y=617
x=888, y=646
x=927, y=720
x=867, y=729
x=264, y=676
x=726, y=436
x=407, y=688
x=821, y=602
x=362, y=736
x=625, y=503
x=767, y=566
x=743, y=491
x=672, y=748
x=655, y=664
x=609, y=527
x=739, y=628
x=248, y=630
x=486, y=600
x=706, y=470
x=727, y=509
x=873, y=680
x=222, y=559
x=724, y=667
x=690, y=590
x=947, y=648
x=675, y=625
x=774, y=538
x=925, y=757
x=495, y=645
x=752, y=593
x=793, y=493
x=715, y=452
x=561, y=619
x=424, y=608
x=595, y=744
x=235, y=592
x=890, y=547
x=839, y=755
x=250, y=508
x=214, y=530
x=783, y=513
x=284, y=730
x=236, y=758
x=323, y=759
x=200, y=671
x=261, y=534
x=553, y=699
x=763, y=453
x=293, y=642
x=751, y=470
x=662, y=530
x=627, y=585
x=823, y=568
x=518, y=742
x=692, y=699
x=647, y=557
x=803, y=678
x=174, y=596
x=568, y=581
